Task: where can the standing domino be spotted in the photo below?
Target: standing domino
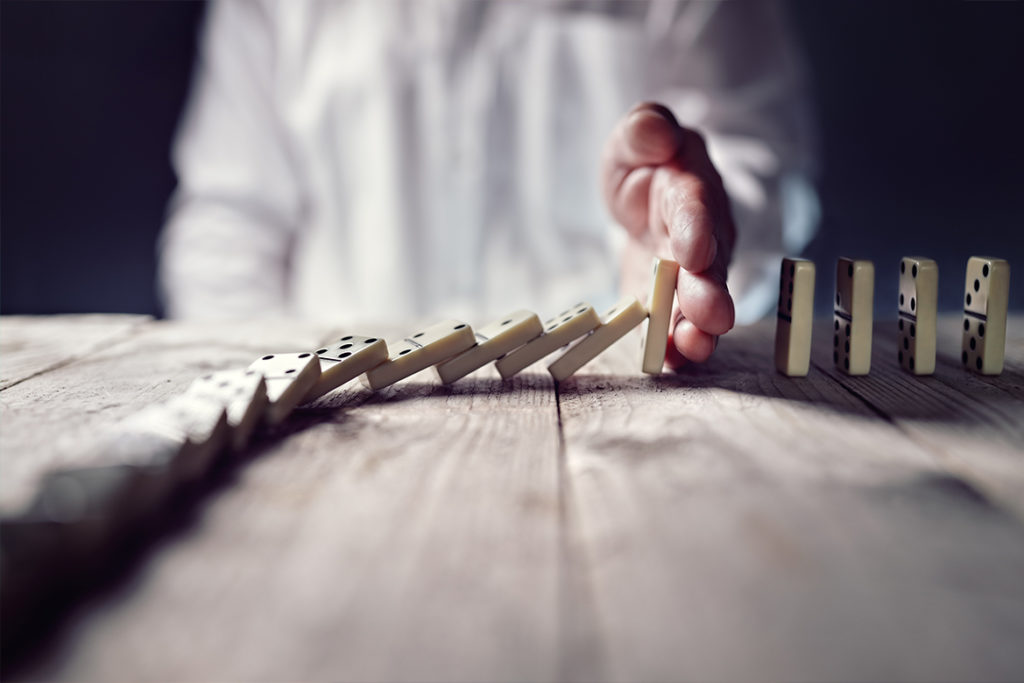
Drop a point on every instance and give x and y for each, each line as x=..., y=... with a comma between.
x=493, y=341
x=654, y=336
x=619, y=320
x=854, y=316
x=918, y=306
x=243, y=393
x=350, y=357
x=986, y=297
x=289, y=377
x=418, y=352
x=795, y=317
x=567, y=326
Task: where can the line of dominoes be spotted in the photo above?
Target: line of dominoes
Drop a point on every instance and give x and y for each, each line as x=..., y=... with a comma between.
x=986, y=297
x=77, y=513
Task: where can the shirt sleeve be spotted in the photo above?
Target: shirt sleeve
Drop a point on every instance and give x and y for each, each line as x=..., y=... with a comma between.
x=731, y=71
x=224, y=249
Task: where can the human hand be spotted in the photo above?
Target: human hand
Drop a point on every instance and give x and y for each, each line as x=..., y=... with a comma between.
x=660, y=184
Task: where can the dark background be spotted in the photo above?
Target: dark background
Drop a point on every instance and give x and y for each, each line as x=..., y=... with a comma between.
x=920, y=107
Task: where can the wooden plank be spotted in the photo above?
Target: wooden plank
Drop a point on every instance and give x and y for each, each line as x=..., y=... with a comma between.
x=973, y=424
x=741, y=525
x=47, y=417
x=30, y=345
x=406, y=535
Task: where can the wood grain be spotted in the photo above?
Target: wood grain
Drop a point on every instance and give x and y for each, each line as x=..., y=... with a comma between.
x=741, y=525
x=727, y=523
x=30, y=345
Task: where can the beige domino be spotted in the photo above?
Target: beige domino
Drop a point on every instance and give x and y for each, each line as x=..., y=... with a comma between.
x=493, y=341
x=654, y=336
x=344, y=360
x=433, y=345
x=986, y=297
x=289, y=377
x=853, y=316
x=917, y=309
x=619, y=320
x=243, y=393
x=562, y=329
x=795, y=317
x=197, y=424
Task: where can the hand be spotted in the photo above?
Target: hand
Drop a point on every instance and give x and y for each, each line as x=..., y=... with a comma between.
x=660, y=184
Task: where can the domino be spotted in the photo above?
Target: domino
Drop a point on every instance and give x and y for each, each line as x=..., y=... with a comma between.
x=289, y=377
x=986, y=297
x=184, y=434
x=343, y=361
x=795, y=317
x=619, y=320
x=243, y=393
x=854, y=316
x=917, y=310
x=564, y=328
x=654, y=336
x=493, y=341
x=418, y=352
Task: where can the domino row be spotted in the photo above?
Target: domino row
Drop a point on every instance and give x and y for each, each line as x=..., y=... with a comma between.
x=141, y=462
x=986, y=297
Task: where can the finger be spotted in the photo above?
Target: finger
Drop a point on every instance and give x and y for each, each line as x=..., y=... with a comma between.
x=685, y=210
x=644, y=138
x=704, y=300
x=692, y=343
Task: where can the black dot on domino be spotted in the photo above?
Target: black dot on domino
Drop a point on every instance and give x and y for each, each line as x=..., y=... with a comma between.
x=836, y=324
x=404, y=351
x=320, y=351
x=345, y=338
x=968, y=298
x=371, y=340
x=266, y=357
x=847, y=329
x=344, y=346
x=911, y=362
x=250, y=372
x=566, y=318
x=417, y=335
x=901, y=299
x=973, y=344
x=303, y=355
x=551, y=327
x=223, y=384
x=984, y=270
x=846, y=346
x=913, y=330
x=344, y=355
x=582, y=310
x=967, y=324
x=903, y=267
x=977, y=285
x=913, y=273
x=506, y=322
x=459, y=327
x=846, y=363
x=981, y=329
x=913, y=303
x=289, y=371
x=849, y=270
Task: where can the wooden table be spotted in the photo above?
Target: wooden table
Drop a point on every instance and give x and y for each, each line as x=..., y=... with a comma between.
x=727, y=523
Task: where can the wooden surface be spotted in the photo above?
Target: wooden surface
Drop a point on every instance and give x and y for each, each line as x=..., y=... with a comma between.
x=727, y=523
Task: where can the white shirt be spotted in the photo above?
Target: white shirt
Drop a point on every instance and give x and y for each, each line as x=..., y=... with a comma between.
x=399, y=160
